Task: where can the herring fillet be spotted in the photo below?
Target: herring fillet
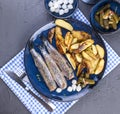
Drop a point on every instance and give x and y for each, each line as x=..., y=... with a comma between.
x=63, y=64
x=43, y=69
x=53, y=68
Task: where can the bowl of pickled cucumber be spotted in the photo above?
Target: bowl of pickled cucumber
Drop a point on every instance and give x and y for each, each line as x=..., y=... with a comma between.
x=105, y=16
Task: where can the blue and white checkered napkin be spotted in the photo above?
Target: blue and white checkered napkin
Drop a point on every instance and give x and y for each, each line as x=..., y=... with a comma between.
x=32, y=104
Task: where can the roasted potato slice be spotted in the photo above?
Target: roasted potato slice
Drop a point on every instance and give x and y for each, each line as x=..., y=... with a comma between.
x=51, y=34
x=91, y=54
x=58, y=30
x=71, y=60
x=100, y=66
x=86, y=56
x=89, y=48
x=95, y=63
x=60, y=38
x=64, y=24
x=74, y=40
x=81, y=35
x=94, y=49
x=76, y=62
x=85, y=35
x=89, y=66
x=100, y=51
x=67, y=38
x=61, y=47
x=74, y=46
x=79, y=69
x=78, y=57
x=77, y=34
x=70, y=41
x=84, y=45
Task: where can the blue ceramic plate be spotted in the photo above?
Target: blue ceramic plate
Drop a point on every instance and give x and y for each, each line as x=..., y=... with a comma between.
x=34, y=75
x=66, y=15
x=115, y=6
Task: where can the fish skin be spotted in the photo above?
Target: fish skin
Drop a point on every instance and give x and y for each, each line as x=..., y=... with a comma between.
x=63, y=64
x=53, y=68
x=43, y=69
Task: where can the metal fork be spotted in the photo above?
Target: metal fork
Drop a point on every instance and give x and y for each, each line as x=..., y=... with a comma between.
x=23, y=76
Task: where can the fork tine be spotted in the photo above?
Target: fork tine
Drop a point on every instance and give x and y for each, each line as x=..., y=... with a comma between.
x=20, y=73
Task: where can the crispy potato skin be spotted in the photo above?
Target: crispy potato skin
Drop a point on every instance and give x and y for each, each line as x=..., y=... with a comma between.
x=100, y=66
x=58, y=31
x=84, y=45
x=75, y=46
x=78, y=35
x=71, y=60
x=61, y=48
x=78, y=57
x=94, y=49
x=100, y=51
x=80, y=68
x=64, y=24
x=86, y=56
x=75, y=40
x=81, y=35
x=70, y=41
x=89, y=66
x=67, y=38
x=59, y=38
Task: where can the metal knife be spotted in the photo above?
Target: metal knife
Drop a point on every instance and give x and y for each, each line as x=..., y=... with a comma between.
x=49, y=106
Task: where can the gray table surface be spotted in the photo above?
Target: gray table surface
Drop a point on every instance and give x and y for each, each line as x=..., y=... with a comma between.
x=21, y=18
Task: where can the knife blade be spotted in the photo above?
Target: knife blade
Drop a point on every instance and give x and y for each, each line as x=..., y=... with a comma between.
x=48, y=106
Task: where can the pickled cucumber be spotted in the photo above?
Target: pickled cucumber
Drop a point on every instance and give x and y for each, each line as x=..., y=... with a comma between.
x=107, y=18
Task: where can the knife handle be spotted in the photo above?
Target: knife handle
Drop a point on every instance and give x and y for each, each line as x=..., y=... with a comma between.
x=49, y=106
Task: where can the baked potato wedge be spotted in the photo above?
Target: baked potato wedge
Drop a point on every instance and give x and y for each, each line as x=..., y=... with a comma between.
x=67, y=38
x=89, y=66
x=85, y=35
x=74, y=40
x=71, y=60
x=78, y=57
x=86, y=56
x=91, y=54
x=84, y=45
x=95, y=63
x=64, y=24
x=100, y=51
x=77, y=34
x=61, y=47
x=74, y=46
x=90, y=63
x=94, y=49
x=59, y=38
x=70, y=41
x=100, y=66
x=58, y=30
x=79, y=69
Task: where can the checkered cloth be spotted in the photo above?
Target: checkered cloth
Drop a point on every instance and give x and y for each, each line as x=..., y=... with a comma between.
x=29, y=101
